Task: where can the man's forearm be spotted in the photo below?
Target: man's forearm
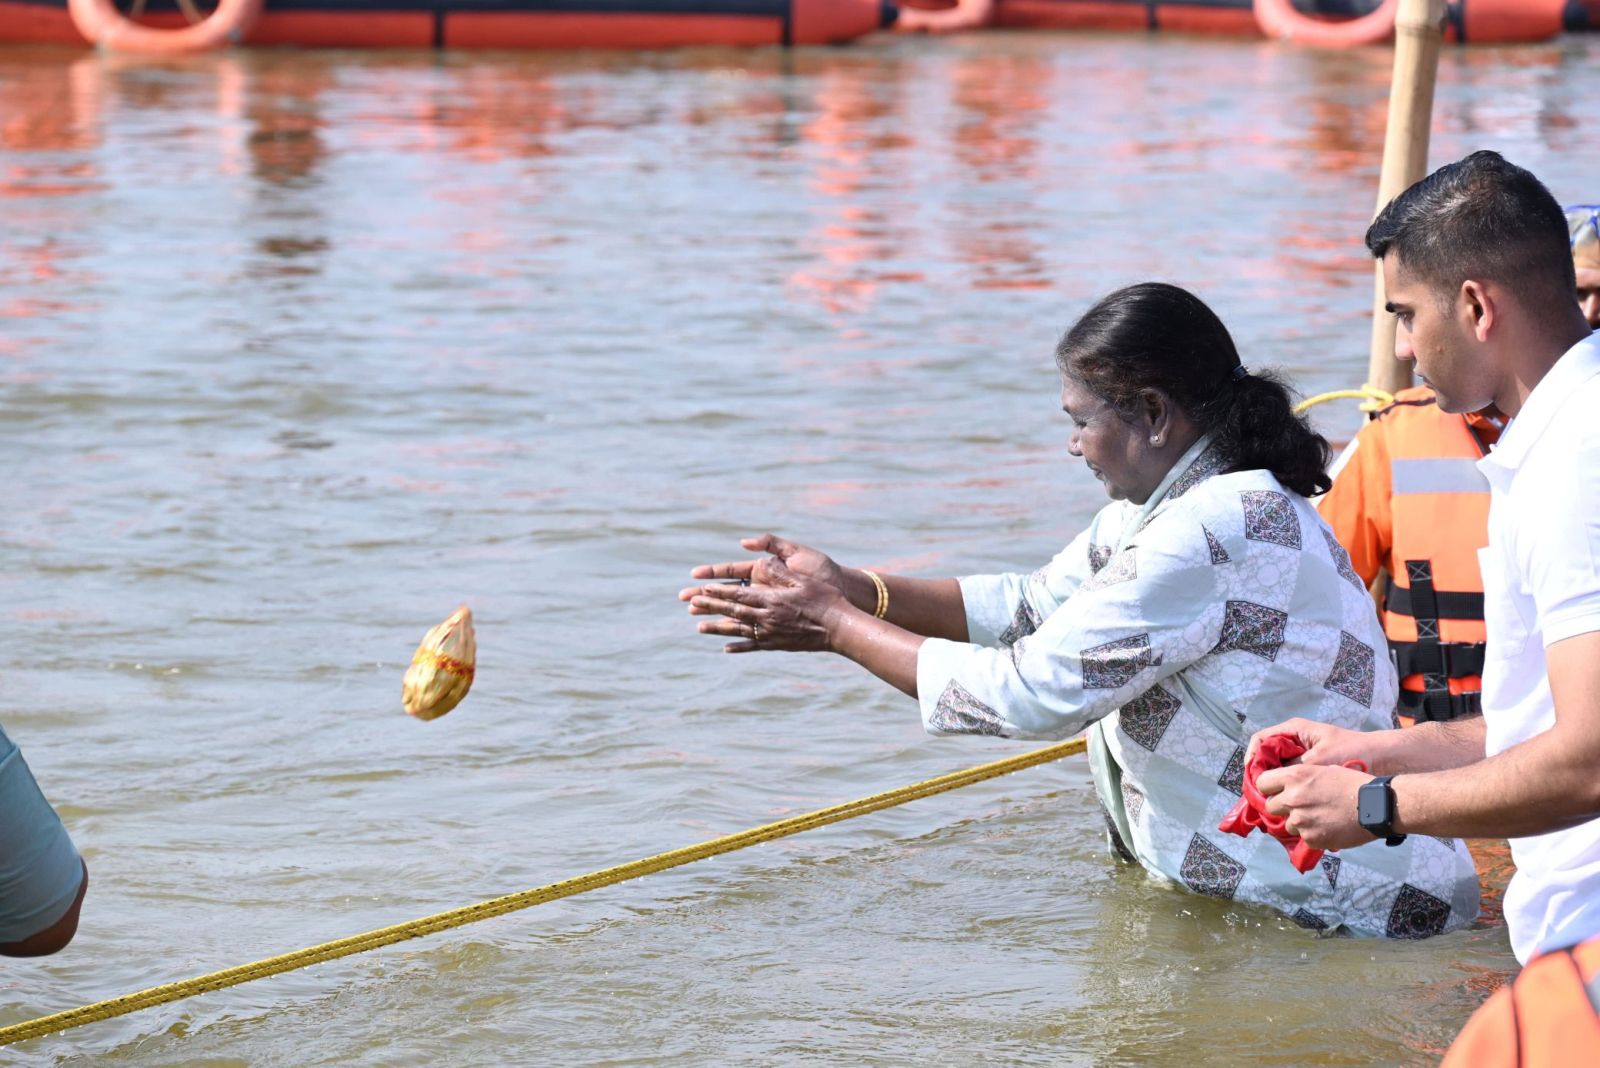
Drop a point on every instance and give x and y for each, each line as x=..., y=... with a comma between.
x=1428, y=747
x=1547, y=783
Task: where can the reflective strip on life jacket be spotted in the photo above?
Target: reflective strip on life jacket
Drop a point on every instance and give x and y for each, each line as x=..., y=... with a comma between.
x=1444, y=474
x=1439, y=704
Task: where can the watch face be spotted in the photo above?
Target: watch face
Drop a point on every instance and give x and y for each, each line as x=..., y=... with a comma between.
x=1372, y=804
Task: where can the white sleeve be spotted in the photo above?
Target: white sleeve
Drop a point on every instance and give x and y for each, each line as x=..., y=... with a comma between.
x=1563, y=559
x=1002, y=608
x=1148, y=613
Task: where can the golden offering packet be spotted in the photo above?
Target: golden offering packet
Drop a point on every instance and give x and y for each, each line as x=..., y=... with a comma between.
x=441, y=670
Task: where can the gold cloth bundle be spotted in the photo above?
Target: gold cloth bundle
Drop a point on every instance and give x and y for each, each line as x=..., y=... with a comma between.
x=441, y=671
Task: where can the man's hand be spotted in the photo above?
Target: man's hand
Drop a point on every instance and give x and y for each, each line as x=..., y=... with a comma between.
x=1326, y=744
x=1317, y=802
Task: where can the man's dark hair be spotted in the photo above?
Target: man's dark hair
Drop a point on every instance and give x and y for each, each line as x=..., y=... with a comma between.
x=1480, y=218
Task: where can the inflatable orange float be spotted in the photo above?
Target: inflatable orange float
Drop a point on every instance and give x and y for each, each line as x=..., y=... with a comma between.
x=1467, y=21
x=173, y=26
x=1545, y=1018
x=1225, y=17
x=1518, y=20
x=675, y=23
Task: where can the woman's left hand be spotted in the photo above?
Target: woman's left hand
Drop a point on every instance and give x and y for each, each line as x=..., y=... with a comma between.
x=789, y=611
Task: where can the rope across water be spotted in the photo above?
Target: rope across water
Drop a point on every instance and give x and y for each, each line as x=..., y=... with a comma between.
x=499, y=906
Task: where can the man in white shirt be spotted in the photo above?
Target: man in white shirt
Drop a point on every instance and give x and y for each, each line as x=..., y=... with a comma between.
x=1479, y=274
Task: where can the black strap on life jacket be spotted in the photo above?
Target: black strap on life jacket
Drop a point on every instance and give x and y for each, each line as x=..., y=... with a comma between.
x=1446, y=604
x=1436, y=661
x=1427, y=706
x=1454, y=660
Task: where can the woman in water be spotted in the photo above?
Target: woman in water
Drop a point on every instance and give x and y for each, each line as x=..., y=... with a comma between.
x=1206, y=601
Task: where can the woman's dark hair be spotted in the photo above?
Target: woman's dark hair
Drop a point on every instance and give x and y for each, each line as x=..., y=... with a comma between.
x=1154, y=336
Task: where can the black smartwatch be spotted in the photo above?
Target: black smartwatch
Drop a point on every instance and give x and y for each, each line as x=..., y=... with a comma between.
x=1375, y=810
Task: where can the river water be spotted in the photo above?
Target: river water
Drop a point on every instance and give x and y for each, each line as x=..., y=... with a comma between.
x=298, y=351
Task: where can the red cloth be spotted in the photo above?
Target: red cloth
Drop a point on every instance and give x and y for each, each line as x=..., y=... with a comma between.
x=1251, y=812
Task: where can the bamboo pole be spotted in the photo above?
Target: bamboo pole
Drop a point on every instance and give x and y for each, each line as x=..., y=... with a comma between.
x=1418, y=32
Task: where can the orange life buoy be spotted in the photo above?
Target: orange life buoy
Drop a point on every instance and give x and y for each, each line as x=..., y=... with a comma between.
x=1279, y=19
x=965, y=15
x=104, y=26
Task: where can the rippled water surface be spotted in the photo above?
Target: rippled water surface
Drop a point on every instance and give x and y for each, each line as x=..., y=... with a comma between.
x=298, y=351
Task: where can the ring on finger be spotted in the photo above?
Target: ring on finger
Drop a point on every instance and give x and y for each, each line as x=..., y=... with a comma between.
x=755, y=632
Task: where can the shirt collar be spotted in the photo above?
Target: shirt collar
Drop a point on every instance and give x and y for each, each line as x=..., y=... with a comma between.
x=1577, y=365
x=1197, y=464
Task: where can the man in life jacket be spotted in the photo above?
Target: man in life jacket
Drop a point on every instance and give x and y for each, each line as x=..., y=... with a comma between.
x=1409, y=500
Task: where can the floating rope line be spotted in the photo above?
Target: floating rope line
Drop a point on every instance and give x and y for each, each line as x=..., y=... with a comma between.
x=1373, y=399
x=499, y=906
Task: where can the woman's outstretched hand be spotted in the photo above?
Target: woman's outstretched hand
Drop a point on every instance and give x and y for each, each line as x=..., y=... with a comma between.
x=800, y=559
x=791, y=601
x=799, y=600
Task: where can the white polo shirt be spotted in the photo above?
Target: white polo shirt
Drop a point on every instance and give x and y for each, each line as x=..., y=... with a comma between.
x=1541, y=582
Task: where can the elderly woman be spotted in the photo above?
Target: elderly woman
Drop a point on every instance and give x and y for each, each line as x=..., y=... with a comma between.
x=1206, y=601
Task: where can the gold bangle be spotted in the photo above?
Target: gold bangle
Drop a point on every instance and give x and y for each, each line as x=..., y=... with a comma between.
x=883, y=593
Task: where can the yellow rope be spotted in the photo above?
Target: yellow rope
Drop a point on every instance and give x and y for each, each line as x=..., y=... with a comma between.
x=499, y=906
x=1373, y=398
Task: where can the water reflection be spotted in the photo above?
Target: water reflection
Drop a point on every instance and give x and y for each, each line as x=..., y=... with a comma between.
x=1002, y=112
x=856, y=129
x=47, y=106
x=283, y=108
x=995, y=115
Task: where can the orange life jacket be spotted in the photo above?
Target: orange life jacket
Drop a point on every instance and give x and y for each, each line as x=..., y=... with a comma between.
x=1410, y=500
x=1546, y=1018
